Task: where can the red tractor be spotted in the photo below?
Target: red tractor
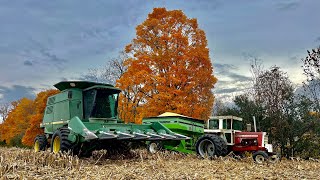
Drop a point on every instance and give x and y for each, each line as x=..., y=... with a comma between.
x=229, y=129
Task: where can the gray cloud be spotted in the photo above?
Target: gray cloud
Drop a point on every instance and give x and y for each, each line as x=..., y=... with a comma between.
x=52, y=57
x=228, y=70
x=222, y=68
x=226, y=90
x=16, y=92
x=238, y=77
x=64, y=79
x=232, y=81
x=210, y=5
x=288, y=5
x=42, y=55
x=27, y=63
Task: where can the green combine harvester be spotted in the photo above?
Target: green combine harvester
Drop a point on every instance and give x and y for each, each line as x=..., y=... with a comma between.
x=83, y=117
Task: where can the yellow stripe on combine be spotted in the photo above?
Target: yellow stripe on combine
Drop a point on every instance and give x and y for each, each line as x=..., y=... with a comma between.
x=60, y=122
x=53, y=123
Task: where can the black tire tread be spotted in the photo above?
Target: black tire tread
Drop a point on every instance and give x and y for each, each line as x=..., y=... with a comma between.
x=66, y=145
x=221, y=148
x=224, y=147
x=42, y=139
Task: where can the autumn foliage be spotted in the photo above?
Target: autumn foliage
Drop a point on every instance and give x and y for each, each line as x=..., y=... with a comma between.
x=25, y=118
x=168, y=69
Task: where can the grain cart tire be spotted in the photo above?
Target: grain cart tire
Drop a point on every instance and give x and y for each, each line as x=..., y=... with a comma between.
x=60, y=142
x=40, y=143
x=210, y=145
x=260, y=157
x=154, y=147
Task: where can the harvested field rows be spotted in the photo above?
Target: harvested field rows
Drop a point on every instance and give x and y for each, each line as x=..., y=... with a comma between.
x=18, y=163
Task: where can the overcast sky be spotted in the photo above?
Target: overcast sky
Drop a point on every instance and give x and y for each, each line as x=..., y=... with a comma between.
x=44, y=42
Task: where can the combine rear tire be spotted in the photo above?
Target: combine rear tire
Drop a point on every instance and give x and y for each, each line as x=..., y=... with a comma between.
x=40, y=143
x=210, y=145
x=60, y=142
x=260, y=157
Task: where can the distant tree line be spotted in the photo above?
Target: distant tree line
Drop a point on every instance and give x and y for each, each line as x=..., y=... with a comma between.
x=291, y=116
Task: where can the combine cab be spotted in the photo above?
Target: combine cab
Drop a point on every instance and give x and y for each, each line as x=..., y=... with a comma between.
x=83, y=117
x=217, y=136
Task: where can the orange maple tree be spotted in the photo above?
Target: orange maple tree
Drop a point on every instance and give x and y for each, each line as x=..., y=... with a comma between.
x=17, y=121
x=168, y=69
x=24, y=119
x=36, y=118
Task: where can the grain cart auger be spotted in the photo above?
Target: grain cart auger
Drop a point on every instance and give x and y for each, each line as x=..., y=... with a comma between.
x=83, y=117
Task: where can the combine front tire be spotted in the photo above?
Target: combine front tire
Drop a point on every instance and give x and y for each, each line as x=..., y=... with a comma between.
x=60, y=142
x=260, y=157
x=40, y=143
x=211, y=145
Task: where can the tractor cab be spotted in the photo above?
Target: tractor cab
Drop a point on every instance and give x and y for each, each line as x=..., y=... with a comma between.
x=224, y=126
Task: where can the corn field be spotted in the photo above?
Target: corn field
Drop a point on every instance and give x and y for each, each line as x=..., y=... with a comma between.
x=16, y=163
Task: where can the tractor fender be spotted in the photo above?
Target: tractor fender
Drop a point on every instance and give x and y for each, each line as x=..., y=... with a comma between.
x=76, y=125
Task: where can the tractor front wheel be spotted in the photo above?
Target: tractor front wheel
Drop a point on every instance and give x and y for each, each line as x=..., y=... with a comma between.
x=260, y=157
x=40, y=143
x=60, y=142
x=210, y=145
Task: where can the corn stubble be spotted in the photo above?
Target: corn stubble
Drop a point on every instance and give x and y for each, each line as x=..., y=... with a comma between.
x=16, y=163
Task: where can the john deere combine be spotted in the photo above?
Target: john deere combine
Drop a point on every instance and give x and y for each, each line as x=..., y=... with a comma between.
x=83, y=117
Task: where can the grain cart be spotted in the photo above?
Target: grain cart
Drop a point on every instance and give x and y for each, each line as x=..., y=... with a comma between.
x=217, y=136
x=83, y=117
x=184, y=125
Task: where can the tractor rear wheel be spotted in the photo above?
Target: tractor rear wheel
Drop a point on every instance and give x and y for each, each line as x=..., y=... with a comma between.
x=40, y=143
x=224, y=147
x=260, y=157
x=210, y=145
x=60, y=142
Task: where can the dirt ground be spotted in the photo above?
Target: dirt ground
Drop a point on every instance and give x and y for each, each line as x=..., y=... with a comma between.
x=18, y=163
